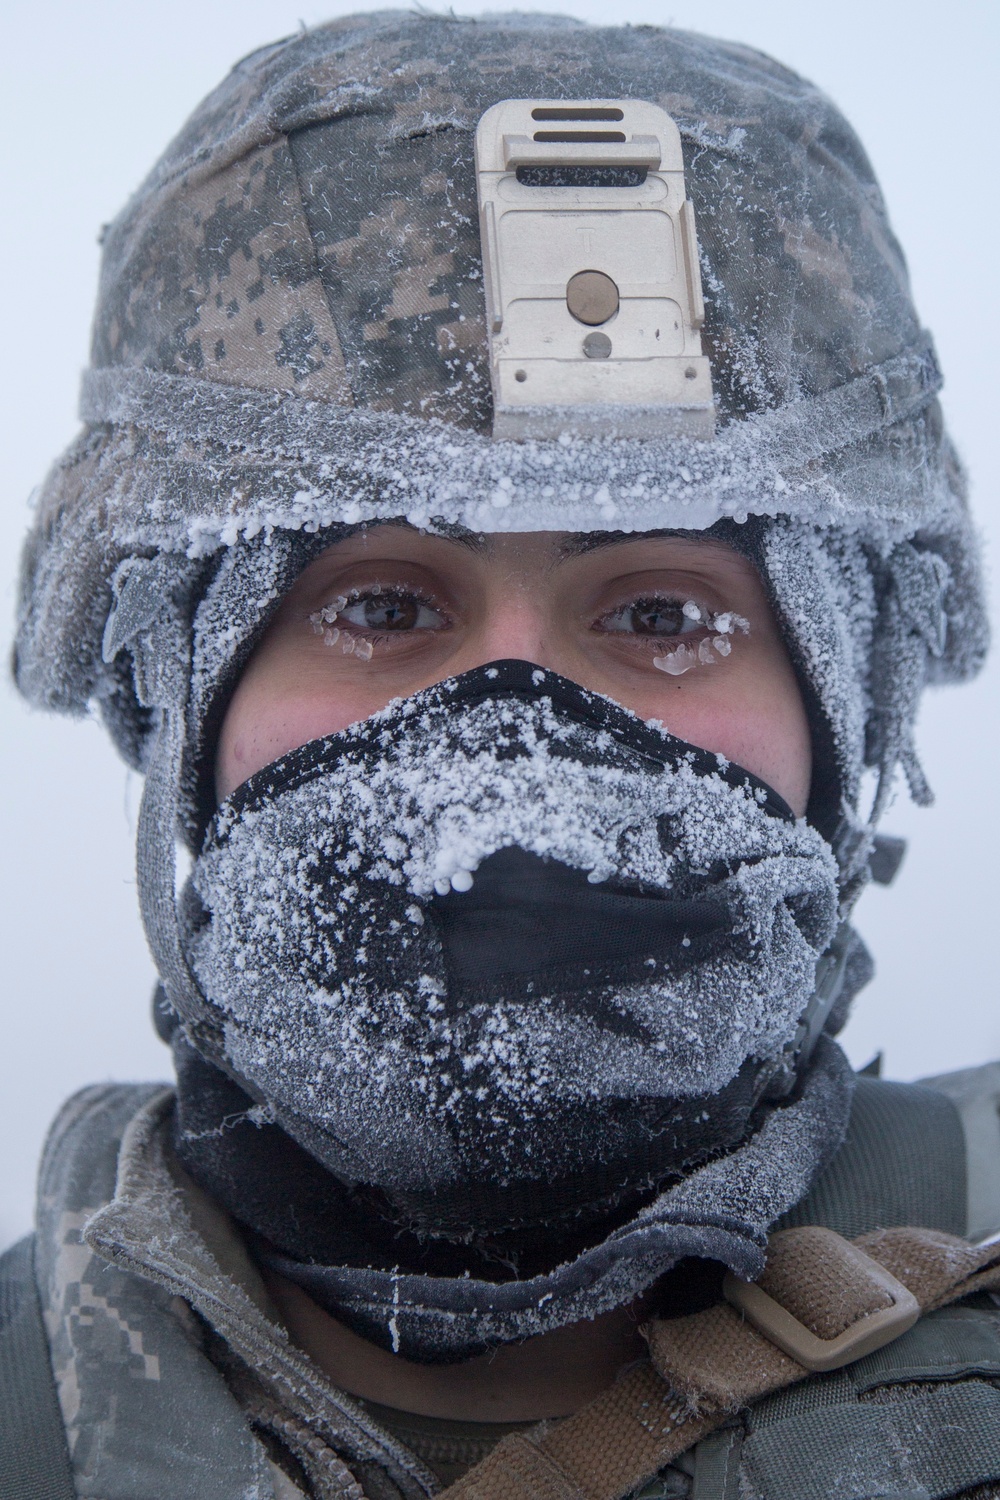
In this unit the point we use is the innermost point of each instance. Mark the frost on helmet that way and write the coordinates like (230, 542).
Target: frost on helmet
(291, 337)
(290, 342)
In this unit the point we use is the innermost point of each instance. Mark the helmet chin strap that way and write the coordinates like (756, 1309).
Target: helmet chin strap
(779, 1076)
(148, 622)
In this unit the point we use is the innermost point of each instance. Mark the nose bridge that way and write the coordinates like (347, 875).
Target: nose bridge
(518, 620)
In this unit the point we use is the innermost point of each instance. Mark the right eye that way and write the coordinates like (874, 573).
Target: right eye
(387, 611)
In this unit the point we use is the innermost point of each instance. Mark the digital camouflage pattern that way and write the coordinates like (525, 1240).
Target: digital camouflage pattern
(314, 227)
(174, 1373)
(177, 1381)
(290, 341)
(290, 336)
(131, 1383)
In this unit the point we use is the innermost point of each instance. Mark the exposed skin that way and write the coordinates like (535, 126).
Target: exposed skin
(538, 597)
(597, 610)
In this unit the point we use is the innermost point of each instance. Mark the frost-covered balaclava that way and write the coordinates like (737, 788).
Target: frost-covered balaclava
(507, 1067)
(507, 960)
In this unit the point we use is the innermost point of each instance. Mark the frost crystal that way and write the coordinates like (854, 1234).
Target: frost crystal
(323, 947)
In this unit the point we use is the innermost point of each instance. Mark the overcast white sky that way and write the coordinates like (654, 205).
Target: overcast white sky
(92, 93)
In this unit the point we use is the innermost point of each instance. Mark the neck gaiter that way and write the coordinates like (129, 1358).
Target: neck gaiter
(512, 968)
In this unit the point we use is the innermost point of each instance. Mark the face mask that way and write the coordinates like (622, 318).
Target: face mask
(508, 958)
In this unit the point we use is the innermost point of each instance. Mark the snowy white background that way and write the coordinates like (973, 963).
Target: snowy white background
(91, 94)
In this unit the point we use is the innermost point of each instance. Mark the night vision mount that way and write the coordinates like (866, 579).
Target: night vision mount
(592, 282)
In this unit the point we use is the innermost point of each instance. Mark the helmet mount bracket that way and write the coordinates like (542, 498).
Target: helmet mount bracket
(592, 280)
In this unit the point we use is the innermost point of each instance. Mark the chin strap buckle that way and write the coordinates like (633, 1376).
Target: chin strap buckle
(823, 1301)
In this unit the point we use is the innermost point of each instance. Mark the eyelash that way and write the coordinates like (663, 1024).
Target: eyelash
(721, 626)
(355, 640)
(695, 616)
(675, 663)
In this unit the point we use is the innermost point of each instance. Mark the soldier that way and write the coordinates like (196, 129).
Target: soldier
(512, 515)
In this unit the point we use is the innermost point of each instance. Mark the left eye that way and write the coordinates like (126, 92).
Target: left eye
(651, 617)
(386, 611)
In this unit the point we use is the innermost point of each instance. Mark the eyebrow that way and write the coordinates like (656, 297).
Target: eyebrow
(575, 545)
(589, 541)
(453, 531)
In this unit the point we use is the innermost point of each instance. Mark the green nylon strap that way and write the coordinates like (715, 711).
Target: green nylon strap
(717, 1466)
(34, 1459)
(903, 1162)
(954, 1343)
(932, 1445)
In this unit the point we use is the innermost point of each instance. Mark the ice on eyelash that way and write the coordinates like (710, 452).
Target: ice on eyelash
(355, 646)
(322, 624)
(727, 622)
(327, 615)
(675, 663)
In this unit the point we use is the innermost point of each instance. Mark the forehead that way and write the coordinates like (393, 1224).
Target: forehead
(559, 544)
(541, 548)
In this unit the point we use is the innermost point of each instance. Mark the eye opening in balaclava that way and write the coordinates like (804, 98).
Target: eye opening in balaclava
(302, 548)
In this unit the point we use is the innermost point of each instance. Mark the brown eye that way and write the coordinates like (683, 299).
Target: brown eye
(397, 612)
(650, 617)
(385, 611)
(657, 617)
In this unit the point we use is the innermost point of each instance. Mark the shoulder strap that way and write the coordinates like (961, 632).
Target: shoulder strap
(975, 1093)
(34, 1459)
(706, 1366)
(903, 1162)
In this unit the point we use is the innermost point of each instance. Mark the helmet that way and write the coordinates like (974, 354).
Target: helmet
(291, 340)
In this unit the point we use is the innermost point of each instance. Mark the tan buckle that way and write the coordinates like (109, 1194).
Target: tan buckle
(869, 1332)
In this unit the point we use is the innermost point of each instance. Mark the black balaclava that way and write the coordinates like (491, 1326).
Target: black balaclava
(504, 962)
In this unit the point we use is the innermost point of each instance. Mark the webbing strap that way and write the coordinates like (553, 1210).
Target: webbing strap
(935, 1443)
(705, 1367)
(156, 864)
(601, 1453)
(34, 1459)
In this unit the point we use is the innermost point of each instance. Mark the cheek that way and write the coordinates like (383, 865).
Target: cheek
(266, 719)
(759, 724)
(775, 745)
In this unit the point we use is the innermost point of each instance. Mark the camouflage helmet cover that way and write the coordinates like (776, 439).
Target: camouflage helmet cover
(290, 336)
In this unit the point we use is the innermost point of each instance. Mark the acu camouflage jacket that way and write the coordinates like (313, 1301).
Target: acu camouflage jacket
(178, 1381)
